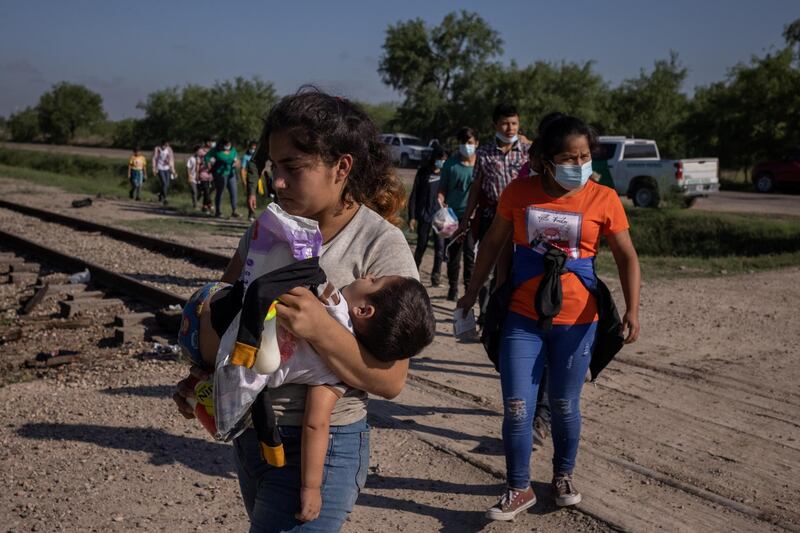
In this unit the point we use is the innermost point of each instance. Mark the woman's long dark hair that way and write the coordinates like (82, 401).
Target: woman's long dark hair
(329, 127)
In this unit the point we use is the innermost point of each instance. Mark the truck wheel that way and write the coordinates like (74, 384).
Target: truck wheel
(403, 160)
(765, 182)
(646, 196)
(689, 201)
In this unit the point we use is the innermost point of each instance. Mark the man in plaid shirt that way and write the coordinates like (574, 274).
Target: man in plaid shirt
(497, 164)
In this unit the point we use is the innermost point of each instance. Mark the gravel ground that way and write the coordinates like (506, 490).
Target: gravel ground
(694, 428)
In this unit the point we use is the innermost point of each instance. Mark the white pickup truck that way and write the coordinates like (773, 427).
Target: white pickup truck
(635, 169)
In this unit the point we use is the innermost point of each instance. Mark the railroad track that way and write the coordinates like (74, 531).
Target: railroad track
(145, 241)
(654, 479)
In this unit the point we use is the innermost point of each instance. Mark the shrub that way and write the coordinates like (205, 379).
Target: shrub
(680, 232)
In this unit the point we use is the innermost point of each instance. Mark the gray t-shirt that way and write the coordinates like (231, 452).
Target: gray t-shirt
(367, 245)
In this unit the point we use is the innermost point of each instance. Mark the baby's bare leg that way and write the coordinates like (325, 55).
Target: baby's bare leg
(320, 401)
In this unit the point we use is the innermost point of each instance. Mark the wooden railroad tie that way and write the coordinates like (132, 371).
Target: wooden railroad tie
(132, 319)
(123, 335)
(71, 308)
(25, 267)
(36, 299)
(23, 278)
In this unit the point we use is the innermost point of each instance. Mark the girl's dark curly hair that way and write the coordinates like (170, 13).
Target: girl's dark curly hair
(329, 127)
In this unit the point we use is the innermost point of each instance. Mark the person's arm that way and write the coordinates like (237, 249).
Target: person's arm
(155, 159)
(172, 162)
(474, 194)
(130, 167)
(630, 276)
(498, 235)
(412, 201)
(300, 312)
(444, 180)
(320, 401)
(234, 269)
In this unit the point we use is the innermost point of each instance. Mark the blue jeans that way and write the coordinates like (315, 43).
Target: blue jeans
(272, 495)
(220, 183)
(523, 351)
(164, 175)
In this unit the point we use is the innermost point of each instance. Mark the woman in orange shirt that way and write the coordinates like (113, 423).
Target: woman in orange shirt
(555, 215)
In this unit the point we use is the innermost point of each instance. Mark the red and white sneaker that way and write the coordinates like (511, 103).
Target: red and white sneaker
(564, 491)
(511, 503)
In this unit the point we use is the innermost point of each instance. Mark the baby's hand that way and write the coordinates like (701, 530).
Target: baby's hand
(310, 504)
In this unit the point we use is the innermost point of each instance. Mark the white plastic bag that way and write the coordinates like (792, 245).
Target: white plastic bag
(445, 222)
(277, 239)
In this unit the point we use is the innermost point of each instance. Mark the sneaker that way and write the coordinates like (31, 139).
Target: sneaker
(235, 215)
(435, 282)
(564, 491)
(512, 503)
(452, 294)
(540, 431)
(218, 215)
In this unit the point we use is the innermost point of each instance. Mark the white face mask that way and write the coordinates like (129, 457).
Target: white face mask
(573, 177)
(506, 140)
(466, 150)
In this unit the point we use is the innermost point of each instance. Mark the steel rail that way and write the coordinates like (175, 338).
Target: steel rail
(152, 243)
(102, 276)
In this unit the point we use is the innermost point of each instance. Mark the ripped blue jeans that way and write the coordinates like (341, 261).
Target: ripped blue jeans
(523, 351)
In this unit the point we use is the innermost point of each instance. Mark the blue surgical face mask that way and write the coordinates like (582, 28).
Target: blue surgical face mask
(507, 140)
(466, 150)
(439, 163)
(573, 177)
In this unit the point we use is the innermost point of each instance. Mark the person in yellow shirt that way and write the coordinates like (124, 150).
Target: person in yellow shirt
(137, 173)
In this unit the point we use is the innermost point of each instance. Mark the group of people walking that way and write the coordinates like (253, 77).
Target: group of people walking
(522, 204)
(535, 218)
(211, 167)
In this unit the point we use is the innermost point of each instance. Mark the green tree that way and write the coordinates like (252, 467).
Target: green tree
(232, 109)
(161, 116)
(125, 133)
(653, 106)
(23, 126)
(429, 66)
(381, 114)
(791, 33)
(67, 107)
(239, 107)
(752, 115)
(536, 90)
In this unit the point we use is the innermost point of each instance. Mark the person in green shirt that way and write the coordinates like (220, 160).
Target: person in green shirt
(223, 162)
(453, 192)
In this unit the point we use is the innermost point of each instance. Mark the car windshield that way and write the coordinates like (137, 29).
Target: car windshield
(640, 151)
(412, 141)
(605, 152)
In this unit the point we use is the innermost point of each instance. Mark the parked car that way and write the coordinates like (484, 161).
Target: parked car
(770, 175)
(635, 169)
(406, 150)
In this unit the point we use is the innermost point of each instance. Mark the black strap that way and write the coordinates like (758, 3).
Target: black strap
(549, 294)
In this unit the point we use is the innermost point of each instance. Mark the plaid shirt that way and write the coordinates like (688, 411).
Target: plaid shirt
(497, 169)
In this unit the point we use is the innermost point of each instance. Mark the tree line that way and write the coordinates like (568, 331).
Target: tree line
(231, 109)
(450, 76)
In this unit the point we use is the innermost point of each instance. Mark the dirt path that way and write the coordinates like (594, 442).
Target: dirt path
(694, 428)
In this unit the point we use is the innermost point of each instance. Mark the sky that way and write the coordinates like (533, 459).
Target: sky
(125, 50)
